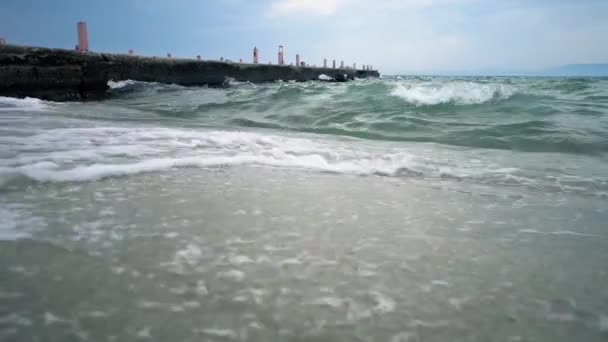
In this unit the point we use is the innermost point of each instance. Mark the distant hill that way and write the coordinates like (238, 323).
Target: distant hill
(577, 70)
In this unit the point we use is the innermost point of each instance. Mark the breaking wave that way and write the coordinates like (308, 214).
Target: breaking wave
(498, 113)
(460, 93)
(10, 104)
(463, 129)
(121, 84)
(86, 154)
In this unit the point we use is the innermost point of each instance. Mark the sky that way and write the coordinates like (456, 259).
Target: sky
(395, 36)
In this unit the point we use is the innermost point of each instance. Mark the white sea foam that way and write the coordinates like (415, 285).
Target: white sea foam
(120, 84)
(462, 93)
(26, 104)
(186, 258)
(384, 303)
(50, 318)
(201, 288)
(442, 283)
(234, 275)
(330, 301)
(240, 259)
(144, 332)
(221, 333)
(404, 336)
(84, 154)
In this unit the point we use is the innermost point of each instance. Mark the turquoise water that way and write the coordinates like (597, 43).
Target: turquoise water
(395, 209)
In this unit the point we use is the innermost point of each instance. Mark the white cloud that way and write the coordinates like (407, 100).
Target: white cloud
(319, 7)
(442, 35)
(328, 7)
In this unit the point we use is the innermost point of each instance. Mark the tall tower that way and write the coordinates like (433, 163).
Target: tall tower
(83, 36)
(281, 55)
(325, 63)
(298, 60)
(256, 55)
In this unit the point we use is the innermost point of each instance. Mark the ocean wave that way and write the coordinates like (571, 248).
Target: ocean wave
(88, 154)
(187, 149)
(25, 104)
(313, 162)
(456, 92)
(120, 84)
(473, 112)
(131, 87)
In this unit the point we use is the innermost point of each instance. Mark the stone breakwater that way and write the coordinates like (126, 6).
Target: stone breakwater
(60, 75)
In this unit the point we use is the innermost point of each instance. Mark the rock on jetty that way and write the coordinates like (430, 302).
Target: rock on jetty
(60, 75)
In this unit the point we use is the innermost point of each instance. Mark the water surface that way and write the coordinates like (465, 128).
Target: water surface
(399, 209)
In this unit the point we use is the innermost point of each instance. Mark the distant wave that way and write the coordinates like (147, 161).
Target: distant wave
(120, 84)
(135, 88)
(461, 93)
(25, 104)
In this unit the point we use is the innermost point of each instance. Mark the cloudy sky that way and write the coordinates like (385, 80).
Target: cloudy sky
(397, 36)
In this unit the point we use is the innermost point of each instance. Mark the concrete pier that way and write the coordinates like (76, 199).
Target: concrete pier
(57, 74)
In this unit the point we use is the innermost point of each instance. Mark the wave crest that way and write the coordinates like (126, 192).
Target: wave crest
(119, 151)
(26, 104)
(120, 84)
(461, 93)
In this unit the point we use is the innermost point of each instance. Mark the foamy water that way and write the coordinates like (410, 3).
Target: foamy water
(92, 153)
(459, 93)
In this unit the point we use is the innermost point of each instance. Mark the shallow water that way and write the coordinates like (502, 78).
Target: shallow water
(286, 212)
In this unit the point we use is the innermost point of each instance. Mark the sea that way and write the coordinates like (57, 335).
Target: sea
(392, 209)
